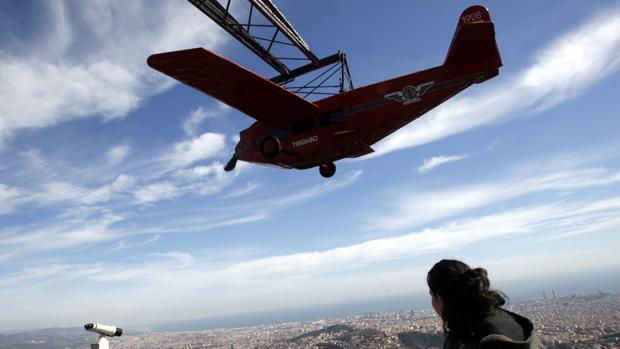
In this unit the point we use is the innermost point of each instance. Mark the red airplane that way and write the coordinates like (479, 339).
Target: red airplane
(292, 132)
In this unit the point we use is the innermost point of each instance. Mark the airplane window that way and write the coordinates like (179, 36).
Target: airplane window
(303, 125)
(278, 132)
(331, 118)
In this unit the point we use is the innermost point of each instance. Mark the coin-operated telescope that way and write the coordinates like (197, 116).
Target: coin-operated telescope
(104, 331)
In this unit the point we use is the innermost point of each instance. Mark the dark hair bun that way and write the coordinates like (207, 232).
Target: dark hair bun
(475, 280)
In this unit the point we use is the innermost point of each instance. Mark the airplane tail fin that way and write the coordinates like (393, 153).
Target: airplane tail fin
(474, 42)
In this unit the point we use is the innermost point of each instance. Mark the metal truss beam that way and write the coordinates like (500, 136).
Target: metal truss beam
(263, 45)
(224, 19)
(271, 12)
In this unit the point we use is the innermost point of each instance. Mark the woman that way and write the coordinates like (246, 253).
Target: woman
(471, 312)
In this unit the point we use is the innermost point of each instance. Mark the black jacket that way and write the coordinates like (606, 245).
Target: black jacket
(501, 330)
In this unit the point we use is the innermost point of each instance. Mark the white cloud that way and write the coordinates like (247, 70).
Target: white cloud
(562, 70)
(122, 183)
(148, 241)
(185, 153)
(249, 187)
(57, 191)
(64, 234)
(124, 245)
(193, 120)
(156, 192)
(435, 161)
(246, 211)
(415, 208)
(118, 153)
(447, 237)
(204, 180)
(542, 220)
(90, 60)
(240, 220)
(181, 258)
(199, 180)
(159, 185)
(8, 199)
(196, 117)
(346, 180)
(57, 272)
(54, 192)
(198, 172)
(35, 158)
(316, 277)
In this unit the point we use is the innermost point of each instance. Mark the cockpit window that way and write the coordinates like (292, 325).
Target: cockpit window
(303, 125)
(331, 118)
(278, 132)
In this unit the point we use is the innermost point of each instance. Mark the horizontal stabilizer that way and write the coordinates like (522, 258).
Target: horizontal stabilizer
(232, 84)
(474, 39)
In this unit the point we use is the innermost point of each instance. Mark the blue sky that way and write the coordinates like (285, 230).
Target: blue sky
(114, 206)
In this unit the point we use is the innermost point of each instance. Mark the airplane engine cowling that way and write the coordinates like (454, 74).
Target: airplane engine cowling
(270, 147)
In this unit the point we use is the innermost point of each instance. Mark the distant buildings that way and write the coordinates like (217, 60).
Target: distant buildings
(578, 322)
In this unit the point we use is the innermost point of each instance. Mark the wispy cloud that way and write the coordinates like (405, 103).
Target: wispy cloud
(118, 153)
(9, 199)
(53, 273)
(544, 220)
(450, 236)
(85, 223)
(156, 192)
(562, 70)
(68, 76)
(59, 192)
(245, 190)
(121, 184)
(68, 233)
(252, 210)
(183, 272)
(347, 179)
(412, 208)
(193, 120)
(182, 258)
(435, 161)
(35, 158)
(283, 280)
(124, 245)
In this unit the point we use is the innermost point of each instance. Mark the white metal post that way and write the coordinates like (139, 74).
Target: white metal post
(102, 343)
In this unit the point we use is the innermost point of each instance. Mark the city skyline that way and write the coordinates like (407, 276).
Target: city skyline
(566, 322)
(114, 203)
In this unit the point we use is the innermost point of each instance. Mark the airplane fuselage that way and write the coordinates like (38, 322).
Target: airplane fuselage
(354, 120)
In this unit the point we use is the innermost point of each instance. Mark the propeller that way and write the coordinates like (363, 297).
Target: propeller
(231, 164)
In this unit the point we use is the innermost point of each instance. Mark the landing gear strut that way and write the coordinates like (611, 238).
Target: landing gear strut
(327, 170)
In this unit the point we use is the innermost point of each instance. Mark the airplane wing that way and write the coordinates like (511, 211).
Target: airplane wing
(232, 84)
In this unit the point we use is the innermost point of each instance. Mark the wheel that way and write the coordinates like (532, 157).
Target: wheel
(327, 170)
(270, 147)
